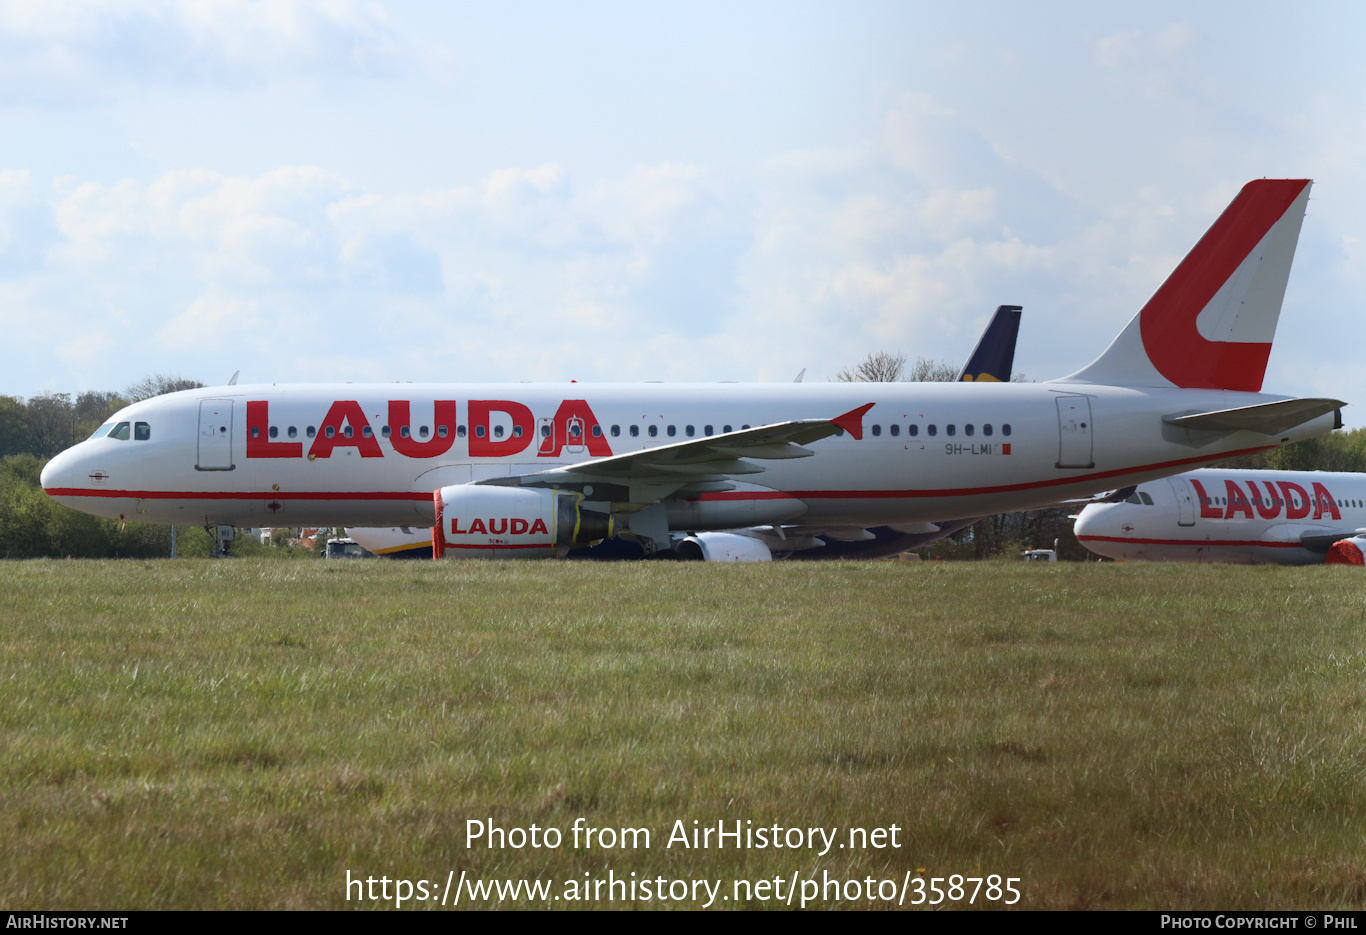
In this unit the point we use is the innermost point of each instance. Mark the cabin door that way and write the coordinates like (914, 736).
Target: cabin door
(1074, 432)
(215, 435)
(1185, 501)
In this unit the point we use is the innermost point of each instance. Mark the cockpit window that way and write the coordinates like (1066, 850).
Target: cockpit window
(142, 431)
(102, 431)
(1147, 498)
(1133, 498)
(120, 432)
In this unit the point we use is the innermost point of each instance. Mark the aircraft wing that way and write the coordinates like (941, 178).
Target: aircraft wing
(699, 464)
(1320, 542)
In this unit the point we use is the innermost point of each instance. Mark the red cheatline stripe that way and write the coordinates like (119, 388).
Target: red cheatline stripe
(529, 545)
(1068, 481)
(240, 495)
(1193, 542)
(1008, 488)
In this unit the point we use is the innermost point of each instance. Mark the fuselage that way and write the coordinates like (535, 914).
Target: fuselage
(372, 454)
(1224, 515)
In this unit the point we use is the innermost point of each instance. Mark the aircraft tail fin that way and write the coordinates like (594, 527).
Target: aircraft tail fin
(994, 354)
(1210, 325)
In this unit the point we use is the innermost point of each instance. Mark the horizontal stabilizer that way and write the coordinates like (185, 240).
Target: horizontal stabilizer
(1267, 418)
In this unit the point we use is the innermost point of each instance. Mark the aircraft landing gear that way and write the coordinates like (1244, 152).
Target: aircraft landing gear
(223, 536)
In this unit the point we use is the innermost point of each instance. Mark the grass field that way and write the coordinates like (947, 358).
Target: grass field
(240, 734)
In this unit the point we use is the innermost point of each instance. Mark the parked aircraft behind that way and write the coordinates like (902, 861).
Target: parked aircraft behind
(1224, 515)
(991, 361)
(528, 470)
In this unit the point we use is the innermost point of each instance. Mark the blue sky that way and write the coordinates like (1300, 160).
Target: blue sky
(333, 190)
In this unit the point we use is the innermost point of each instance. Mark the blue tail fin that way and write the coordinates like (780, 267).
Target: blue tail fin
(994, 354)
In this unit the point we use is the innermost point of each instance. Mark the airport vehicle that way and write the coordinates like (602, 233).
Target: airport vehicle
(991, 360)
(345, 548)
(1225, 515)
(530, 470)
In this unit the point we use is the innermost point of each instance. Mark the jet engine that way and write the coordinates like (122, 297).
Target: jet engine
(721, 547)
(477, 521)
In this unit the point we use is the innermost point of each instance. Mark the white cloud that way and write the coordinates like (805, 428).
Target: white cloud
(86, 49)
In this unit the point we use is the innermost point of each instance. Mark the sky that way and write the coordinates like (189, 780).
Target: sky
(326, 190)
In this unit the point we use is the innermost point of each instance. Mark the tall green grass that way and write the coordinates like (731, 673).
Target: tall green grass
(239, 734)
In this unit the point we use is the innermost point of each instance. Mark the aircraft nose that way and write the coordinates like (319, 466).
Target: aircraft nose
(1086, 521)
(62, 473)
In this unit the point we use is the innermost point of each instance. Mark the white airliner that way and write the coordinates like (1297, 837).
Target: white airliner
(537, 469)
(1223, 515)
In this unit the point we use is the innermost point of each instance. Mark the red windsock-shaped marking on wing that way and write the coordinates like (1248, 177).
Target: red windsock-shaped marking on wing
(852, 421)
(1170, 337)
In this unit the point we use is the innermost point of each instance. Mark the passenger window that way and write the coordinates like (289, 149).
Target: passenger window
(951, 429)
(574, 430)
(1005, 430)
(331, 431)
(441, 431)
(497, 431)
(931, 430)
(312, 431)
(986, 430)
(967, 429)
(913, 430)
(478, 431)
(459, 431)
(688, 431)
(672, 431)
(256, 431)
(726, 429)
(274, 432)
(597, 431)
(743, 427)
(422, 431)
(894, 429)
(706, 430)
(120, 432)
(616, 431)
(877, 430)
(348, 431)
(367, 432)
(635, 430)
(403, 432)
(384, 431)
(142, 431)
(516, 431)
(294, 433)
(545, 431)
(653, 430)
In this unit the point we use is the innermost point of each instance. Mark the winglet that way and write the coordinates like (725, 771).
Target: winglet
(852, 421)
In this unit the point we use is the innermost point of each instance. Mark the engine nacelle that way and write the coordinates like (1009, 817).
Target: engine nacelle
(477, 521)
(721, 547)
